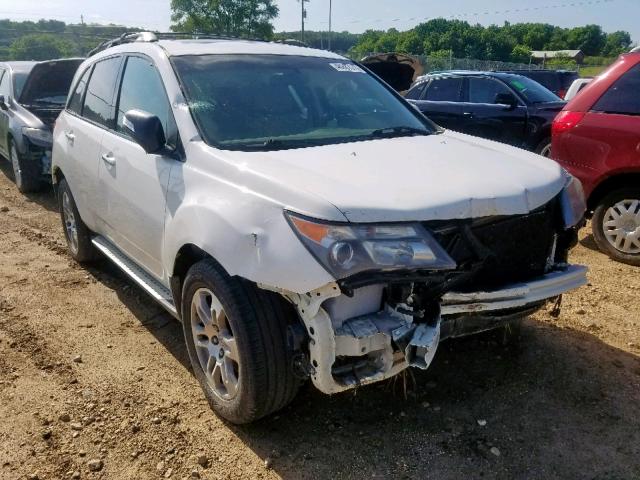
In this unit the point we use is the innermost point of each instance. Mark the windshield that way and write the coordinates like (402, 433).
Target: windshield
(531, 90)
(18, 82)
(274, 102)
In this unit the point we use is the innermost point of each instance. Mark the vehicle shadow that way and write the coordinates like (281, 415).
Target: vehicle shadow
(44, 198)
(166, 329)
(560, 403)
(590, 243)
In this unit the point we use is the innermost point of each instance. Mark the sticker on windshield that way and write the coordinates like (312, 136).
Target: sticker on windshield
(347, 67)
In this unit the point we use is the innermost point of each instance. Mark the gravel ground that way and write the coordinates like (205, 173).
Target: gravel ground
(95, 383)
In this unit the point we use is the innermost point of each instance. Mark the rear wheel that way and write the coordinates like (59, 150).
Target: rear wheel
(236, 335)
(76, 233)
(26, 172)
(616, 225)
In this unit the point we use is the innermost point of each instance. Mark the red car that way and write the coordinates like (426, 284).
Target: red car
(597, 138)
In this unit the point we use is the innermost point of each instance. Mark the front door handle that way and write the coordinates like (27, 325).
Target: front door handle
(468, 114)
(109, 159)
(70, 136)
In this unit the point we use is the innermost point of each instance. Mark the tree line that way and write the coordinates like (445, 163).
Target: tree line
(509, 42)
(48, 39)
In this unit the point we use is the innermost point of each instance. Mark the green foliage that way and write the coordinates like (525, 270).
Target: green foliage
(561, 61)
(520, 54)
(616, 43)
(64, 39)
(240, 18)
(41, 46)
(509, 42)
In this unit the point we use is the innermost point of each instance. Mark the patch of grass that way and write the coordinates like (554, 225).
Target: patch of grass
(592, 71)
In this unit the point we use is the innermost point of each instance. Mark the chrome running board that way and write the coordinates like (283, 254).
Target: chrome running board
(159, 292)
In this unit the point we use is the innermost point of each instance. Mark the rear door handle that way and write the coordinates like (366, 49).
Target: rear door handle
(468, 114)
(108, 158)
(70, 136)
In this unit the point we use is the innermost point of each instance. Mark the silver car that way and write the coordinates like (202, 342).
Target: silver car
(32, 95)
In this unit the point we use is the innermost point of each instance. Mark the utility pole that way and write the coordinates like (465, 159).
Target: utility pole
(81, 19)
(329, 40)
(302, 17)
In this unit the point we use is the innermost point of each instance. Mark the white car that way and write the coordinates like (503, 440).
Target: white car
(576, 87)
(298, 216)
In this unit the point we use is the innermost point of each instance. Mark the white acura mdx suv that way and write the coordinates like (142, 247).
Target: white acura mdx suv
(298, 217)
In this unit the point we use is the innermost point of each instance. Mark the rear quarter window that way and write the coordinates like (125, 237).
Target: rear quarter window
(623, 97)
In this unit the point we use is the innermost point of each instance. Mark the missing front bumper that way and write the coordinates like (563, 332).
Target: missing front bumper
(373, 347)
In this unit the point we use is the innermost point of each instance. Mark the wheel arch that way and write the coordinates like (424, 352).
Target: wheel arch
(188, 255)
(608, 185)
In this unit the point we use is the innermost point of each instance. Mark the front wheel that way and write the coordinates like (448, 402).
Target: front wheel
(544, 148)
(236, 335)
(26, 172)
(616, 225)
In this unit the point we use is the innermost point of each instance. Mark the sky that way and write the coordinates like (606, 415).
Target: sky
(352, 15)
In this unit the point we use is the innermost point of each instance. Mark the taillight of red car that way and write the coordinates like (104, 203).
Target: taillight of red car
(566, 121)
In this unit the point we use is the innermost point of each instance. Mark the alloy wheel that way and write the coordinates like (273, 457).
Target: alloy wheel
(215, 344)
(621, 226)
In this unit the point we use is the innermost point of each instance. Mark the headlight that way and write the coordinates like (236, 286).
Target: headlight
(347, 249)
(573, 202)
(40, 137)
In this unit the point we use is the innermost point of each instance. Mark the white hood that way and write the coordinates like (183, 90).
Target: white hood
(436, 177)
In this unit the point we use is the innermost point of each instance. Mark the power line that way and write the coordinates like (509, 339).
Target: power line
(583, 3)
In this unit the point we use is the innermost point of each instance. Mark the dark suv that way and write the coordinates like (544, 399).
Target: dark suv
(32, 95)
(558, 81)
(499, 106)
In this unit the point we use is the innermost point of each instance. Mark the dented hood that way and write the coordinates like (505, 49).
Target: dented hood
(437, 177)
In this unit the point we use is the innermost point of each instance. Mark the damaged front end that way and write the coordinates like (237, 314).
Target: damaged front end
(371, 325)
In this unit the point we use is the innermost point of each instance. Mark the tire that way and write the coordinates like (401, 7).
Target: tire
(259, 369)
(625, 247)
(544, 148)
(76, 233)
(27, 173)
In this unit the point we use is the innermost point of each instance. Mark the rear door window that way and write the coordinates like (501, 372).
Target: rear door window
(75, 102)
(142, 89)
(98, 103)
(445, 90)
(623, 97)
(485, 90)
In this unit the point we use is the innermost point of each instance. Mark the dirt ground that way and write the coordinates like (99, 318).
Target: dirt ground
(95, 383)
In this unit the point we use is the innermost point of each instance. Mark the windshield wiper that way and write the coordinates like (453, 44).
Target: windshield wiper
(276, 144)
(402, 131)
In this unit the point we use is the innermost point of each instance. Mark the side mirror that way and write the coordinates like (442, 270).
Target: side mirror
(3, 103)
(145, 129)
(507, 99)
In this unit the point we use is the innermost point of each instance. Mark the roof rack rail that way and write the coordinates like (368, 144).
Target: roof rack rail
(142, 36)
